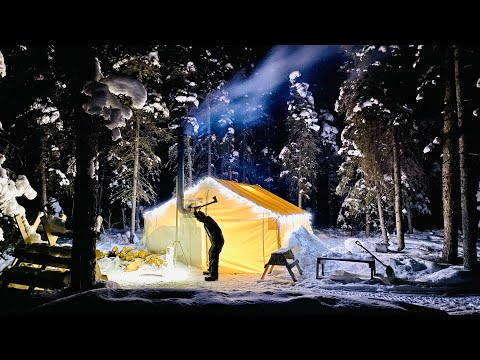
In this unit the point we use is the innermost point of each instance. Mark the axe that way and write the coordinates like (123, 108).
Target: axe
(211, 202)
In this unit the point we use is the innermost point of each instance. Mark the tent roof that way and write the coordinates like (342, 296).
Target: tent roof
(262, 197)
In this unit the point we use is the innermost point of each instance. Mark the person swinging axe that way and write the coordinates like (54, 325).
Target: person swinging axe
(216, 243)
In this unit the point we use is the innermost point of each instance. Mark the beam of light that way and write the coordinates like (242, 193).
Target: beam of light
(249, 97)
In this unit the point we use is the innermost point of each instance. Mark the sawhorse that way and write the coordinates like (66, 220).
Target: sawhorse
(280, 257)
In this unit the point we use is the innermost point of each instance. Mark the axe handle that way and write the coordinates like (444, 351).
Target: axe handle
(211, 202)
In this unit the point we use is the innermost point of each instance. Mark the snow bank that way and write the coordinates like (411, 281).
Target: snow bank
(307, 247)
(448, 276)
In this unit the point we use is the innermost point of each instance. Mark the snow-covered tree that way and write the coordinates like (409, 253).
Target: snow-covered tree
(235, 131)
(182, 104)
(260, 142)
(226, 152)
(11, 189)
(299, 156)
(467, 202)
(135, 163)
(443, 71)
(329, 161)
(53, 148)
(214, 67)
(101, 101)
(376, 103)
(36, 121)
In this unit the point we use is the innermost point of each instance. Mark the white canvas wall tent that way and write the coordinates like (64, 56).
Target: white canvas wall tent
(254, 222)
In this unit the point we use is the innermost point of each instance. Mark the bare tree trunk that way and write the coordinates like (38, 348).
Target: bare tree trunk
(85, 187)
(124, 219)
(242, 158)
(467, 195)
(380, 214)
(367, 223)
(137, 218)
(189, 163)
(299, 184)
(408, 205)
(329, 200)
(398, 190)
(136, 150)
(230, 173)
(209, 165)
(43, 174)
(450, 242)
(109, 222)
(101, 183)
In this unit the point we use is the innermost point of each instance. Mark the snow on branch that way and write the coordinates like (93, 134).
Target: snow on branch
(50, 113)
(3, 67)
(103, 101)
(293, 76)
(120, 84)
(10, 190)
(431, 146)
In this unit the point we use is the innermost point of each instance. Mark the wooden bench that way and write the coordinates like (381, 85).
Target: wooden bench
(322, 259)
(280, 257)
(38, 266)
(41, 265)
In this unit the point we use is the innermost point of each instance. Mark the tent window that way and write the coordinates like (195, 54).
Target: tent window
(272, 224)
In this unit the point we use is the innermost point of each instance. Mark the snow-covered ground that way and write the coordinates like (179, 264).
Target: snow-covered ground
(421, 278)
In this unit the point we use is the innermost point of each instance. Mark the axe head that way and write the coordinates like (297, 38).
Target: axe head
(215, 199)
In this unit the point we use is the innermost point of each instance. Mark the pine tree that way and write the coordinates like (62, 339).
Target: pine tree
(137, 168)
(53, 148)
(329, 161)
(376, 100)
(466, 190)
(450, 163)
(10, 189)
(182, 102)
(299, 156)
(455, 100)
(37, 121)
(215, 116)
(101, 100)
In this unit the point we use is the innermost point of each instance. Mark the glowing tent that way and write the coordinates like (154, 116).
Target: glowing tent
(254, 223)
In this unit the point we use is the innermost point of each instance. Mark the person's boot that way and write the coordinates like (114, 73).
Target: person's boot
(213, 275)
(209, 270)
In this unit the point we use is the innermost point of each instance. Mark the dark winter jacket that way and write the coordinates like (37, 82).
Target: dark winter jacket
(211, 228)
